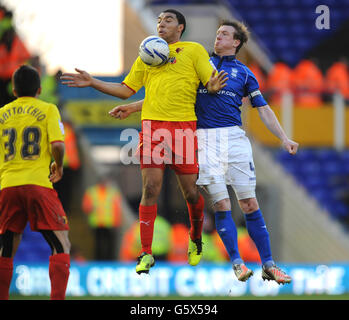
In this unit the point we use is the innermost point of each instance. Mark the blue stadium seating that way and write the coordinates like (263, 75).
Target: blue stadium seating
(294, 21)
(324, 173)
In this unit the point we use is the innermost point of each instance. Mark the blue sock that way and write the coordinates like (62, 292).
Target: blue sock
(226, 229)
(258, 232)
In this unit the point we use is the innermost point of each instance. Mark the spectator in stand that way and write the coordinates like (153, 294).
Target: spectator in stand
(102, 203)
(247, 247)
(278, 82)
(308, 84)
(179, 236)
(337, 79)
(71, 164)
(13, 54)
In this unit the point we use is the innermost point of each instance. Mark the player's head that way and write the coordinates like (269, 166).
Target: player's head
(26, 82)
(231, 35)
(171, 25)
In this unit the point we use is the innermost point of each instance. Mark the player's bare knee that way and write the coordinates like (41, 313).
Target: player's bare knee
(57, 240)
(248, 205)
(151, 191)
(222, 205)
(66, 244)
(191, 195)
(67, 247)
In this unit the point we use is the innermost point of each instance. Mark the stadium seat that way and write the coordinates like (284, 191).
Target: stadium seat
(305, 155)
(344, 156)
(345, 168)
(324, 173)
(332, 168)
(320, 194)
(270, 3)
(280, 31)
(298, 29)
(254, 16)
(314, 182)
(339, 210)
(326, 155)
(295, 15)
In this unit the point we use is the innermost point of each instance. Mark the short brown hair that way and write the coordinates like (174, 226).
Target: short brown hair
(241, 32)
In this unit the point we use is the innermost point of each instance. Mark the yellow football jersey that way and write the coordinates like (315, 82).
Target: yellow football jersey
(170, 90)
(28, 126)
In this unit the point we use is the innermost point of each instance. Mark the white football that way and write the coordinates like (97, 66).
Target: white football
(154, 51)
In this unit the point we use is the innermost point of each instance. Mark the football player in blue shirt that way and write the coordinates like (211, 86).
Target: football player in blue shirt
(225, 154)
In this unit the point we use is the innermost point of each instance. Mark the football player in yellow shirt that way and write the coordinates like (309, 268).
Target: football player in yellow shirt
(31, 133)
(170, 93)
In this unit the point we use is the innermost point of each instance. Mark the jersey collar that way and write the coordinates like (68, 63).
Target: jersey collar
(228, 58)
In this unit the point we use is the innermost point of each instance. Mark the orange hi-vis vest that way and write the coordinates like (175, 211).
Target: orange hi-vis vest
(247, 247)
(279, 82)
(103, 205)
(179, 236)
(308, 84)
(130, 244)
(11, 60)
(337, 79)
(256, 70)
(71, 156)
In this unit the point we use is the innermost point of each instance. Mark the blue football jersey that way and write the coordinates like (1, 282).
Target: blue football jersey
(223, 108)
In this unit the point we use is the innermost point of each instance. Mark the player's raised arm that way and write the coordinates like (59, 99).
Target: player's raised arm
(268, 117)
(83, 79)
(123, 111)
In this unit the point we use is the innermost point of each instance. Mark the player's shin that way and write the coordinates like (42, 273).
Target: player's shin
(196, 216)
(59, 273)
(6, 270)
(227, 231)
(258, 232)
(147, 215)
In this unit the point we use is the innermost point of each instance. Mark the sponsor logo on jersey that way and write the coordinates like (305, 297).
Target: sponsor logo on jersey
(234, 72)
(224, 92)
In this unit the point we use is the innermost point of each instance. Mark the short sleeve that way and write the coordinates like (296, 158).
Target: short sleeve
(253, 92)
(55, 127)
(134, 80)
(202, 64)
